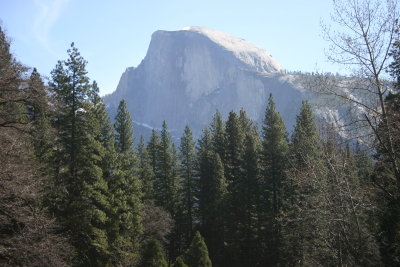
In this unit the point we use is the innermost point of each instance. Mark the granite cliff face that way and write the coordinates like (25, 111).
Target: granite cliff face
(190, 73)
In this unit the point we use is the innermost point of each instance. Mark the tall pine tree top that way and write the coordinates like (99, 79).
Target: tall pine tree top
(70, 80)
(197, 255)
(274, 130)
(153, 147)
(305, 139)
(123, 128)
(217, 129)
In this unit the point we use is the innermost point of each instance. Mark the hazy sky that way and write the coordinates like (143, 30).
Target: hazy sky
(113, 35)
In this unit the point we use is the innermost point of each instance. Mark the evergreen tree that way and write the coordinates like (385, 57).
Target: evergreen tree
(197, 254)
(165, 184)
(123, 128)
(79, 179)
(189, 186)
(234, 149)
(153, 149)
(245, 122)
(249, 203)
(233, 173)
(274, 156)
(217, 131)
(305, 161)
(180, 262)
(145, 171)
(39, 114)
(106, 134)
(125, 189)
(305, 139)
(153, 255)
(212, 194)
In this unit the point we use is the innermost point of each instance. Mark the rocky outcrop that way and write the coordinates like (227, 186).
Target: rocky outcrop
(190, 73)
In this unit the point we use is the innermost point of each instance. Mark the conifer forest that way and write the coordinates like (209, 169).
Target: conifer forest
(80, 188)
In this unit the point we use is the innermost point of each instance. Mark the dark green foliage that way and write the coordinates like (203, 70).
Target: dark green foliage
(166, 182)
(189, 185)
(123, 128)
(83, 202)
(212, 193)
(125, 189)
(197, 254)
(38, 110)
(166, 186)
(233, 171)
(106, 134)
(145, 171)
(180, 263)
(153, 255)
(274, 193)
(217, 131)
(249, 201)
(305, 139)
(233, 149)
(305, 161)
(153, 147)
(275, 148)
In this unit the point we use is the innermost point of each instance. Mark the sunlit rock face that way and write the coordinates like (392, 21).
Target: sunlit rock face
(189, 74)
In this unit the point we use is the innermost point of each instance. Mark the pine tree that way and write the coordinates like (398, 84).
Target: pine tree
(38, 103)
(145, 171)
(165, 184)
(217, 131)
(123, 128)
(305, 139)
(274, 156)
(153, 149)
(234, 173)
(234, 149)
(106, 134)
(305, 160)
(189, 187)
(153, 255)
(197, 254)
(79, 179)
(38, 110)
(249, 203)
(212, 194)
(125, 189)
(180, 262)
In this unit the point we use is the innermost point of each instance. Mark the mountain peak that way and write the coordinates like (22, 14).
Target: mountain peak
(188, 74)
(243, 50)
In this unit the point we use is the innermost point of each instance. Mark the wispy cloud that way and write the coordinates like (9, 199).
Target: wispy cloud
(49, 11)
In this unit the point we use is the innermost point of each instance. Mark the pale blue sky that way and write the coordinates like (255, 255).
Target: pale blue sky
(113, 35)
